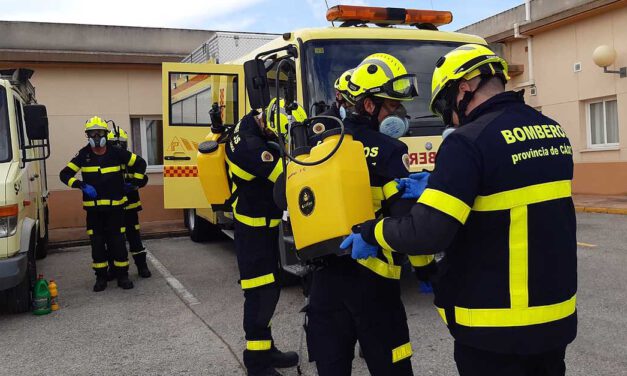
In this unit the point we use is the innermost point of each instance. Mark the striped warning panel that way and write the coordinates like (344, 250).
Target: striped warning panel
(180, 171)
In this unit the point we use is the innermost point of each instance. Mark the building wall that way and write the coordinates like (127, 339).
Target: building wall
(562, 94)
(72, 94)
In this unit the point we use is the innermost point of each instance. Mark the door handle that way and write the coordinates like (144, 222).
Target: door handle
(175, 158)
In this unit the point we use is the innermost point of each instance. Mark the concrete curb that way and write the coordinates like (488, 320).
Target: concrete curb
(55, 246)
(601, 210)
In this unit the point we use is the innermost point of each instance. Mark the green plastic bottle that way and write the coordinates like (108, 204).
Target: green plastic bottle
(41, 297)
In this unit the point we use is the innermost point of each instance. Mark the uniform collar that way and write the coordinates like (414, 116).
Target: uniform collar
(496, 103)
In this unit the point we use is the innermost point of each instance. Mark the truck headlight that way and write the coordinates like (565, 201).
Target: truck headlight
(8, 220)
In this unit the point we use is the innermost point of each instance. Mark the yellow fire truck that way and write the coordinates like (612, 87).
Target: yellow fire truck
(316, 57)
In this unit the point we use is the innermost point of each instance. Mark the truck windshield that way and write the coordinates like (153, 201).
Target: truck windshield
(5, 141)
(326, 60)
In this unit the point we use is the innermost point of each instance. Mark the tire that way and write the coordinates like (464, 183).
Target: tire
(19, 298)
(42, 243)
(185, 218)
(201, 230)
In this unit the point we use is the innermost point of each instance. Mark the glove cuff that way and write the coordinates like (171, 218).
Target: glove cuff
(366, 230)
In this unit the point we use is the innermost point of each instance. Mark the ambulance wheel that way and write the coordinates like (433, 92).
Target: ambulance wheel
(200, 230)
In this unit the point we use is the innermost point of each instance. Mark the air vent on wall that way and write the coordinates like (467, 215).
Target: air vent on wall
(533, 91)
(577, 67)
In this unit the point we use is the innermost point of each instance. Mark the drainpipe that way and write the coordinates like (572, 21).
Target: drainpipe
(531, 81)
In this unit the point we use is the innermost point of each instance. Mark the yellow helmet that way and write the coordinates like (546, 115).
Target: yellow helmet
(464, 62)
(96, 123)
(383, 76)
(341, 84)
(120, 136)
(299, 115)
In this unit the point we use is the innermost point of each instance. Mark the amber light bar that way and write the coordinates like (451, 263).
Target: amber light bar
(388, 16)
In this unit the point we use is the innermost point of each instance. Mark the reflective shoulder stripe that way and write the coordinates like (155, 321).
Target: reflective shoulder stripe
(132, 159)
(100, 265)
(511, 317)
(70, 182)
(381, 268)
(420, 261)
(532, 194)
(239, 172)
(378, 234)
(73, 167)
(402, 352)
(445, 203)
(90, 169)
(258, 345)
(258, 281)
(107, 170)
(278, 169)
(120, 264)
(389, 189)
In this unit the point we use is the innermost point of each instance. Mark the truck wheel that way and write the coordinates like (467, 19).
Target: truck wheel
(19, 299)
(186, 218)
(199, 229)
(42, 243)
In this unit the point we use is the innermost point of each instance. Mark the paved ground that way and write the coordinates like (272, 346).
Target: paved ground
(152, 330)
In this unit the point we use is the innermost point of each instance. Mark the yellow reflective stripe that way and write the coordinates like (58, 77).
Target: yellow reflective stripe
(442, 314)
(123, 229)
(402, 352)
(278, 169)
(138, 253)
(445, 203)
(258, 345)
(137, 227)
(107, 170)
(105, 202)
(377, 193)
(389, 189)
(388, 256)
(133, 205)
(70, 182)
(90, 232)
(239, 172)
(532, 194)
(381, 268)
(73, 166)
(518, 258)
(258, 281)
(100, 265)
(138, 176)
(89, 203)
(378, 234)
(420, 261)
(132, 160)
(120, 264)
(509, 317)
(90, 169)
(254, 221)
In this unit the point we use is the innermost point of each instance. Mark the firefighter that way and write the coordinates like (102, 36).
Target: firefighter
(104, 198)
(118, 138)
(342, 104)
(360, 301)
(499, 204)
(254, 168)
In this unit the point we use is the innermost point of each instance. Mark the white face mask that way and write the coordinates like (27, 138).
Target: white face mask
(342, 112)
(447, 131)
(394, 126)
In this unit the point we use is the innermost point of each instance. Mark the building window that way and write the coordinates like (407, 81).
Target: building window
(147, 133)
(603, 123)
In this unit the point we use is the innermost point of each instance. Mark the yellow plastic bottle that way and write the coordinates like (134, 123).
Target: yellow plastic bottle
(54, 295)
(325, 201)
(212, 170)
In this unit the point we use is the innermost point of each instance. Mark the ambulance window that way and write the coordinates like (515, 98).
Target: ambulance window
(5, 139)
(286, 70)
(192, 94)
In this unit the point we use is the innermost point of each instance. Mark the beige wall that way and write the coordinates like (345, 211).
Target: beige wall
(562, 94)
(72, 94)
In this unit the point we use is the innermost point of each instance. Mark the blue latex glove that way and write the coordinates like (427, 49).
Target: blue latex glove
(128, 187)
(361, 248)
(89, 190)
(426, 288)
(414, 185)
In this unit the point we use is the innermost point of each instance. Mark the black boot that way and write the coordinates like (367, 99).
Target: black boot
(101, 284)
(279, 359)
(110, 274)
(142, 266)
(265, 372)
(125, 283)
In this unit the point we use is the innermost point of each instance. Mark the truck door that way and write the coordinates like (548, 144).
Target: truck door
(188, 92)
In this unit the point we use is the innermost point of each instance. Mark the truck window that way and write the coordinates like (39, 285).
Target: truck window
(326, 60)
(5, 131)
(191, 97)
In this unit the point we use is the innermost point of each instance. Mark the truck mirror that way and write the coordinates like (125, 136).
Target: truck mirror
(36, 119)
(257, 83)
